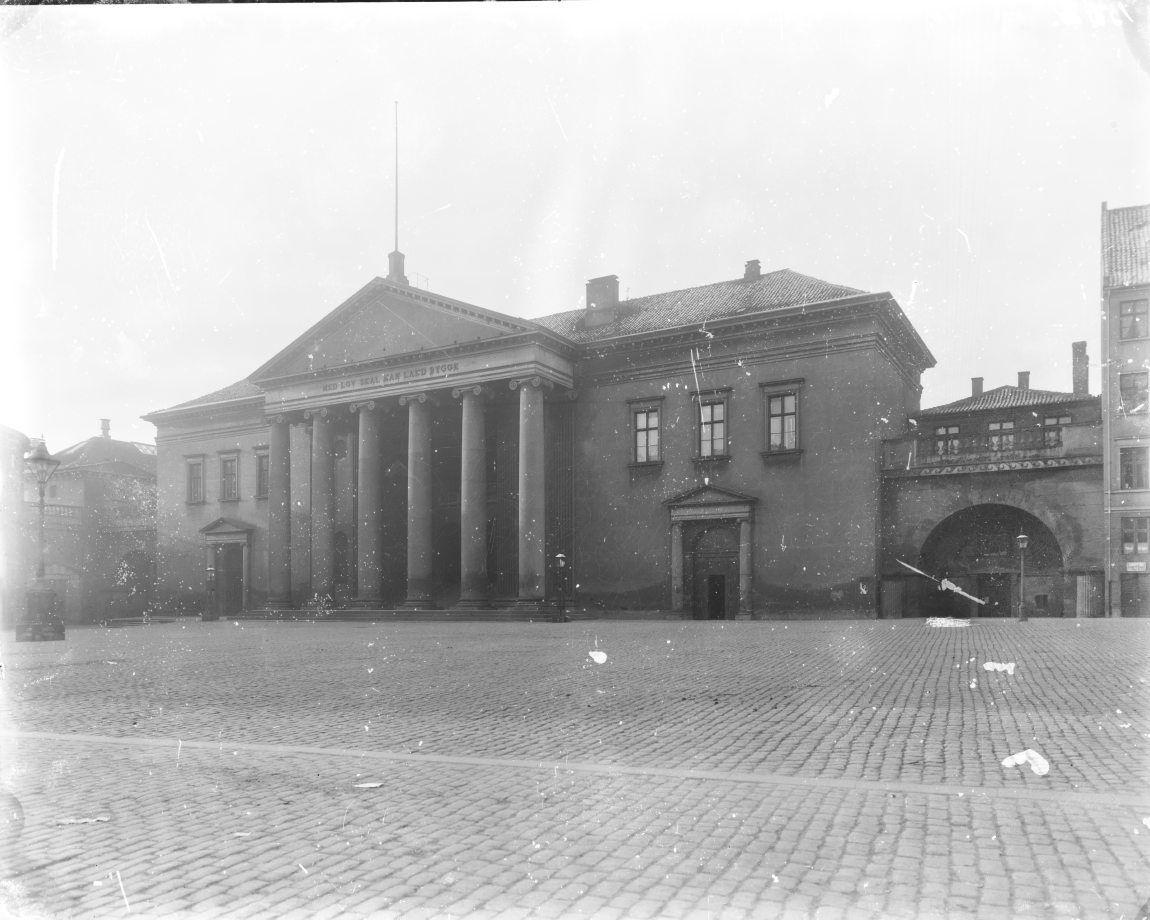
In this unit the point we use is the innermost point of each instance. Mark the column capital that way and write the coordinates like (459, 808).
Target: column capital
(535, 382)
(477, 390)
(356, 407)
(412, 397)
(313, 413)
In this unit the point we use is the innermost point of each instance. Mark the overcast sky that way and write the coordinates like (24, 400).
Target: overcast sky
(187, 189)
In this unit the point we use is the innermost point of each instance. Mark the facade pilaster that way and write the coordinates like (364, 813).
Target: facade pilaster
(279, 513)
(322, 504)
(369, 498)
(419, 550)
(745, 569)
(677, 567)
(532, 497)
(473, 499)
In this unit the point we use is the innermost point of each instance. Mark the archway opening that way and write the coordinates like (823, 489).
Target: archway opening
(977, 549)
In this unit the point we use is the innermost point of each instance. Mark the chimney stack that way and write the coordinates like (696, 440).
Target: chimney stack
(752, 271)
(395, 267)
(1081, 369)
(106, 427)
(1024, 380)
(975, 386)
(602, 301)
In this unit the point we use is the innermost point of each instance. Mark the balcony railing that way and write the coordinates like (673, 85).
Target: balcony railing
(1069, 443)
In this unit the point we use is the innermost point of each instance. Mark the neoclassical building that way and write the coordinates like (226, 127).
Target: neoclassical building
(710, 452)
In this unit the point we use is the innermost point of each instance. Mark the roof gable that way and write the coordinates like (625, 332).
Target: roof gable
(383, 320)
(708, 495)
(226, 527)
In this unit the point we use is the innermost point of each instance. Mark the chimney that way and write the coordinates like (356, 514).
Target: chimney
(602, 301)
(752, 271)
(106, 426)
(395, 267)
(975, 386)
(1081, 369)
(1024, 380)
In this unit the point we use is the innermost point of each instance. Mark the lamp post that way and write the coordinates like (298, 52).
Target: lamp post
(560, 579)
(1023, 541)
(41, 620)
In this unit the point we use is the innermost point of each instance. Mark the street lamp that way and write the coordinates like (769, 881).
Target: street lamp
(560, 583)
(1023, 541)
(43, 465)
(41, 619)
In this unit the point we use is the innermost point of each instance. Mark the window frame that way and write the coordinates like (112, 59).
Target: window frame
(225, 457)
(636, 406)
(190, 461)
(781, 389)
(1003, 430)
(1140, 405)
(1144, 313)
(1136, 526)
(946, 440)
(717, 397)
(1053, 425)
(263, 472)
(1135, 454)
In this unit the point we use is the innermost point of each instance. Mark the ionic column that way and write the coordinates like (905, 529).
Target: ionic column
(279, 514)
(473, 500)
(369, 496)
(532, 500)
(745, 568)
(419, 581)
(677, 566)
(322, 504)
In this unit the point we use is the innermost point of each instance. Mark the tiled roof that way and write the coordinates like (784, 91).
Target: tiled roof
(773, 291)
(1126, 246)
(1004, 397)
(241, 389)
(101, 451)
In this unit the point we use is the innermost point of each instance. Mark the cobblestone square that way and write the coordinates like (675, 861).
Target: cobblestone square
(740, 769)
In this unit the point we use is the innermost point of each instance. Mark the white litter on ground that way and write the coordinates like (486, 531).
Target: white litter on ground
(1008, 667)
(367, 785)
(598, 657)
(95, 820)
(1037, 762)
(946, 621)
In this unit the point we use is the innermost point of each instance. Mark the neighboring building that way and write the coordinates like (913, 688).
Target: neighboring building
(713, 452)
(979, 471)
(100, 530)
(13, 570)
(1126, 438)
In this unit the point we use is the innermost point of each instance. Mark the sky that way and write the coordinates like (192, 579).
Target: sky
(188, 188)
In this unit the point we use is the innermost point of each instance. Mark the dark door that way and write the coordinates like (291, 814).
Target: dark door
(716, 597)
(229, 578)
(997, 590)
(1134, 599)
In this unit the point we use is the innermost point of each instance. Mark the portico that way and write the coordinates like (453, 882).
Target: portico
(436, 402)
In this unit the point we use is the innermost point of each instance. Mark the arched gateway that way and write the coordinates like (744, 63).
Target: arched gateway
(977, 549)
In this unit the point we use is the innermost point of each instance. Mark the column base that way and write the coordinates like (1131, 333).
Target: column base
(419, 603)
(472, 603)
(281, 601)
(529, 602)
(366, 603)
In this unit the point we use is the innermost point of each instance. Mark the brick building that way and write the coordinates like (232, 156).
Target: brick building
(711, 452)
(1126, 438)
(100, 531)
(975, 473)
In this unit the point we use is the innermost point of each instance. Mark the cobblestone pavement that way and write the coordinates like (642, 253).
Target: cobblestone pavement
(419, 770)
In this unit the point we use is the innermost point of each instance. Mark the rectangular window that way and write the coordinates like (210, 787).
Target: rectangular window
(1052, 429)
(946, 440)
(195, 481)
(1135, 535)
(782, 422)
(1132, 467)
(646, 427)
(712, 426)
(261, 475)
(1133, 389)
(1132, 319)
(1001, 435)
(229, 478)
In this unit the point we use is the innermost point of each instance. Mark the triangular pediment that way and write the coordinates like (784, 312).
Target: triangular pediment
(225, 527)
(708, 495)
(385, 320)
